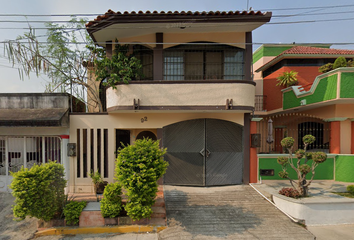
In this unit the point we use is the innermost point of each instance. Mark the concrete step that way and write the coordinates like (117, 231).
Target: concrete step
(158, 212)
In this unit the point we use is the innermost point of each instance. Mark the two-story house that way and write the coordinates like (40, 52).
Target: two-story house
(196, 96)
(318, 104)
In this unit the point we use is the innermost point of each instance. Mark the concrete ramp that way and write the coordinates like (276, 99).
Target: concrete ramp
(229, 212)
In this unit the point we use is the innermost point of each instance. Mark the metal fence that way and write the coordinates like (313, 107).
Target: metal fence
(18, 151)
(294, 125)
(261, 103)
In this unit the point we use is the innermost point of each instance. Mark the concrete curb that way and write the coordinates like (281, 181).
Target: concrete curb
(98, 230)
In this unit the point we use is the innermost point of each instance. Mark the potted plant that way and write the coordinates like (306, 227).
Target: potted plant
(287, 79)
(111, 204)
(98, 182)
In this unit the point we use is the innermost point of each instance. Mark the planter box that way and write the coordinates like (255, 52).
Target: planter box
(335, 210)
(124, 221)
(111, 221)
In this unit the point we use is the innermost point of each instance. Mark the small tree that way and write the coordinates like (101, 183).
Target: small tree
(301, 169)
(39, 191)
(287, 79)
(138, 167)
(340, 62)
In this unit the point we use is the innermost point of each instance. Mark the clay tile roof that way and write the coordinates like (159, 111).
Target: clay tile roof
(111, 13)
(306, 52)
(316, 50)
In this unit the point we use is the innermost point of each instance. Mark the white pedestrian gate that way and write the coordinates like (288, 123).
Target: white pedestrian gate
(18, 151)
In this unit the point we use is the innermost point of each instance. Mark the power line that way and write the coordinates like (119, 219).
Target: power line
(107, 14)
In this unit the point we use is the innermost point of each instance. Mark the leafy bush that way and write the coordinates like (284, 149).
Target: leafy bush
(39, 191)
(72, 212)
(289, 192)
(138, 167)
(111, 204)
(282, 160)
(287, 142)
(340, 62)
(287, 79)
(326, 68)
(350, 189)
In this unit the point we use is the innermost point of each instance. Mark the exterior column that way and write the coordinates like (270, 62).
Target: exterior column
(334, 141)
(248, 57)
(246, 148)
(253, 153)
(158, 58)
(65, 160)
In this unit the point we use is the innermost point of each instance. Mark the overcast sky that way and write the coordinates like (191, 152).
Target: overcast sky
(305, 22)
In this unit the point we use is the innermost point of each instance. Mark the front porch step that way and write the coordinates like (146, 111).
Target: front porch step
(158, 212)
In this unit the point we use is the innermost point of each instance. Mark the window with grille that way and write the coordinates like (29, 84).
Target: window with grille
(145, 55)
(204, 62)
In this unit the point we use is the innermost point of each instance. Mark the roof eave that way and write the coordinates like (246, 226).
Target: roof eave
(284, 56)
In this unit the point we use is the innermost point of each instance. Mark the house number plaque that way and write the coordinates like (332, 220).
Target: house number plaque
(144, 119)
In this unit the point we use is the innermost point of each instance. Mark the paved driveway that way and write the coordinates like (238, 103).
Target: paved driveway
(230, 212)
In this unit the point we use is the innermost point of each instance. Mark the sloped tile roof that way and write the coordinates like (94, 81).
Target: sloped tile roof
(111, 13)
(307, 52)
(316, 50)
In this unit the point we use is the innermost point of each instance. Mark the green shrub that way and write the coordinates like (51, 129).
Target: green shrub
(350, 189)
(111, 204)
(138, 167)
(72, 212)
(326, 68)
(289, 192)
(282, 160)
(304, 169)
(39, 191)
(340, 62)
(300, 153)
(308, 139)
(287, 142)
(319, 157)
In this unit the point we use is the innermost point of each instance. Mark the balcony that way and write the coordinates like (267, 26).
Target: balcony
(216, 95)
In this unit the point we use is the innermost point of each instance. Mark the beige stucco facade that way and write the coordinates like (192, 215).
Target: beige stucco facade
(179, 94)
(129, 121)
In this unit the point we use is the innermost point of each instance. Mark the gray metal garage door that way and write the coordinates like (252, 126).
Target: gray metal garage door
(203, 152)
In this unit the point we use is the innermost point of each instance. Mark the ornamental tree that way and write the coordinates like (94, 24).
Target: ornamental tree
(301, 167)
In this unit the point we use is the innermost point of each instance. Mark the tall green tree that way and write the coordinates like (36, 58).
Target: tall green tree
(66, 57)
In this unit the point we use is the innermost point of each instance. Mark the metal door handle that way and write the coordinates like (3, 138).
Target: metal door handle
(202, 152)
(208, 153)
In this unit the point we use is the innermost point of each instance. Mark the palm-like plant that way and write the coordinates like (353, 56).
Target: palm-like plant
(287, 79)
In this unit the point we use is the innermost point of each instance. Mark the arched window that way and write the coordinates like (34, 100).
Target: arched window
(146, 134)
